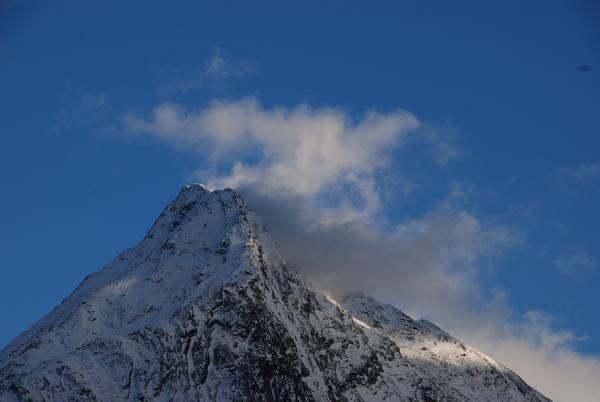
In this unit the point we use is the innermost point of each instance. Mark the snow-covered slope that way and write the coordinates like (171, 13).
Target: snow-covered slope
(203, 308)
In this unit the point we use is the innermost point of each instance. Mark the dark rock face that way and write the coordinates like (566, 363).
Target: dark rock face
(204, 309)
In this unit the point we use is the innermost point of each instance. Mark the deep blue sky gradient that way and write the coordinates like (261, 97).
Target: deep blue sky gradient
(504, 77)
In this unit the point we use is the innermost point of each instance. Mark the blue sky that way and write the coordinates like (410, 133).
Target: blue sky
(509, 90)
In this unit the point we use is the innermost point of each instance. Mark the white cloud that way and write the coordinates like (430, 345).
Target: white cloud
(320, 155)
(544, 357)
(315, 176)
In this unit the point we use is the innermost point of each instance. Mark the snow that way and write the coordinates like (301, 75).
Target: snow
(361, 323)
(204, 308)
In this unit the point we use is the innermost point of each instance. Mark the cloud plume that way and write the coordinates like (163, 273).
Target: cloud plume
(321, 156)
(316, 176)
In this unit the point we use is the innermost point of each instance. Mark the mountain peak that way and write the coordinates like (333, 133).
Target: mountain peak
(197, 211)
(204, 309)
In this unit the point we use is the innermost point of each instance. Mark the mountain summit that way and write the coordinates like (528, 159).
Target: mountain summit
(204, 309)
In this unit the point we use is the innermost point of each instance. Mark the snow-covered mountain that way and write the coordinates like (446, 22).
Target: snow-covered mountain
(204, 309)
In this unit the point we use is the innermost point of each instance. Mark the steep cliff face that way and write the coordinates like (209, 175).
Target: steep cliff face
(203, 308)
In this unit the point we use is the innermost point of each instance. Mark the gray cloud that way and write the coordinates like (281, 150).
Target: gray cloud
(426, 264)
(429, 267)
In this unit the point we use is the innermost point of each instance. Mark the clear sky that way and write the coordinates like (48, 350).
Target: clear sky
(507, 95)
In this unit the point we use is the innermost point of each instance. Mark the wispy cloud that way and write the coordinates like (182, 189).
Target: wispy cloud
(582, 174)
(442, 144)
(221, 66)
(88, 109)
(577, 262)
(218, 68)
